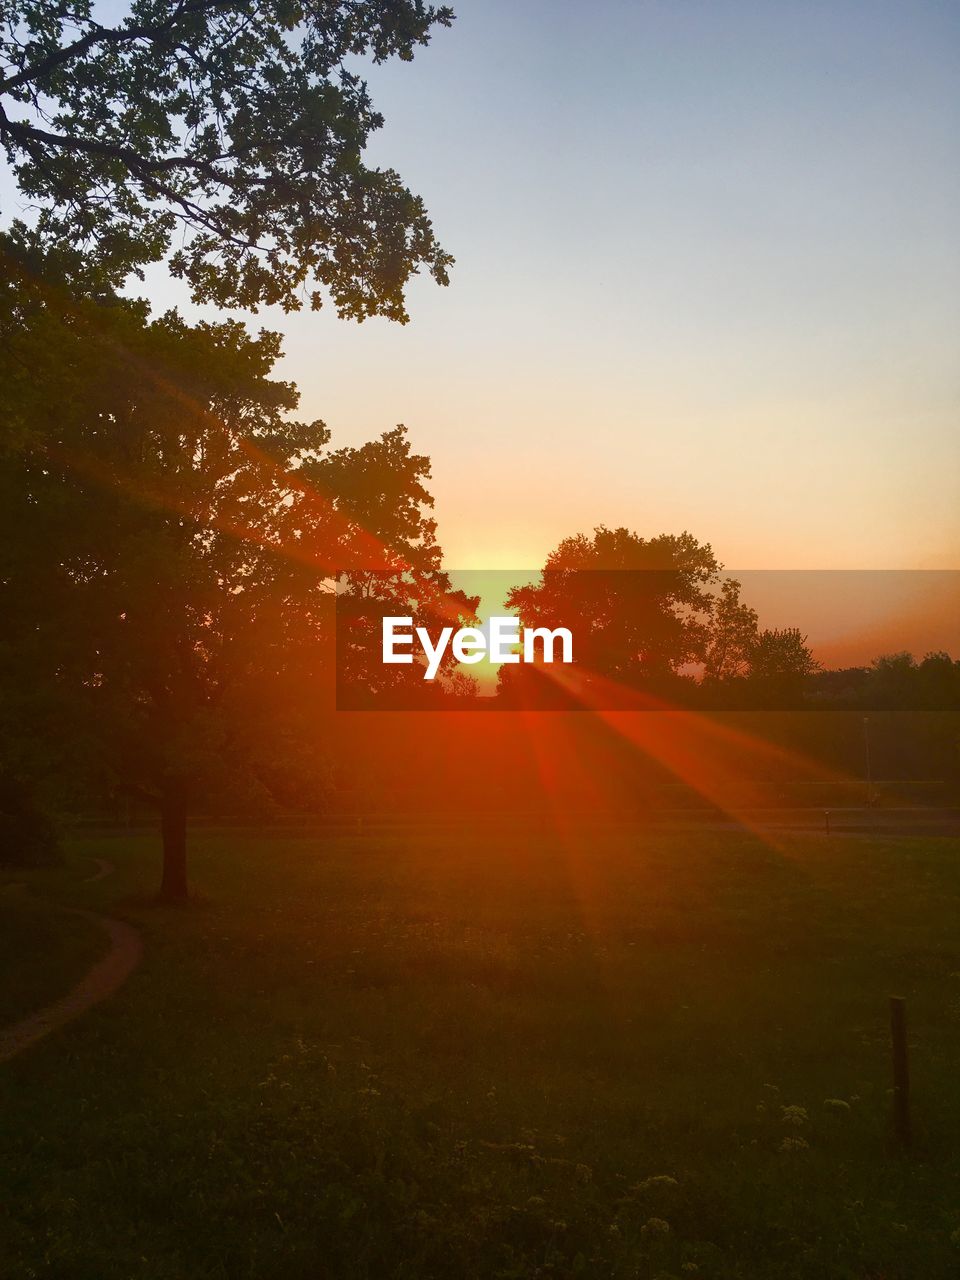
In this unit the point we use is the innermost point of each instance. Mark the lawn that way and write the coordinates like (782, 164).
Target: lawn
(42, 951)
(493, 1052)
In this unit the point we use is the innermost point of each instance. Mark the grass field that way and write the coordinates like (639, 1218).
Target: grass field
(487, 1053)
(41, 950)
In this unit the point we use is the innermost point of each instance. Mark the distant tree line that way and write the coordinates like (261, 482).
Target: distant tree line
(657, 616)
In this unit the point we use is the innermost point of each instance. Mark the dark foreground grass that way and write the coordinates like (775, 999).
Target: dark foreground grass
(484, 1054)
(42, 951)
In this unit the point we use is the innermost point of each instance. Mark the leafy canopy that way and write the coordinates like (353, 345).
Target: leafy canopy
(168, 533)
(638, 607)
(229, 130)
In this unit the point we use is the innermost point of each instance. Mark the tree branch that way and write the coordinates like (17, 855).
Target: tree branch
(26, 134)
(108, 35)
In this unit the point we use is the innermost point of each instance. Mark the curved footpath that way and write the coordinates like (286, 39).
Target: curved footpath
(100, 981)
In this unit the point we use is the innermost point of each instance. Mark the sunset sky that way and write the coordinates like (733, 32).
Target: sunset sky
(708, 277)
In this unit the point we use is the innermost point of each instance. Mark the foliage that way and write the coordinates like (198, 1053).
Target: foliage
(169, 535)
(233, 129)
(363, 679)
(638, 607)
(896, 681)
(645, 614)
(781, 654)
(733, 635)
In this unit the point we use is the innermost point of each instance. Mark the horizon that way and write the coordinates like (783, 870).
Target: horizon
(849, 617)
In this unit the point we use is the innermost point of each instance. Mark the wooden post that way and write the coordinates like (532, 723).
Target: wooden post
(901, 1069)
(826, 820)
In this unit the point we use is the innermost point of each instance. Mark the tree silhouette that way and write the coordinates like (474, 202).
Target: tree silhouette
(639, 608)
(234, 126)
(365, 599)
(781, 654)
(170, 535)
(169, 538)
(653, 615)
(733, 635)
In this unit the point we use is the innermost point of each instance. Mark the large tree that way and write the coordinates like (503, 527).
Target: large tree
(168, 537)
(231, 130)
(639, 608)
(168, 531)
(650, 613)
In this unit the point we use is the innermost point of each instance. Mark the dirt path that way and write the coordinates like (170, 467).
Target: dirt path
(99, 982)
(103, 868)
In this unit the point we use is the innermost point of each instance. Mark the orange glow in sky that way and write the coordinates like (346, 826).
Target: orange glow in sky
(707, 278)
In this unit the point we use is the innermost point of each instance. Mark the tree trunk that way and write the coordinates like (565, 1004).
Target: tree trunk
(173, 832)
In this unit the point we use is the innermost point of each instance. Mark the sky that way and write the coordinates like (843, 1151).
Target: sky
(707, 278)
